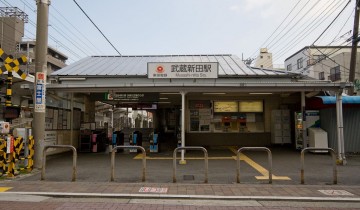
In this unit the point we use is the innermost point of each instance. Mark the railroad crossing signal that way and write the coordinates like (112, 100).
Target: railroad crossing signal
(11, 65)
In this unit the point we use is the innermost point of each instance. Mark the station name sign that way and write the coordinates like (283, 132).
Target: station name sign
(193, 70)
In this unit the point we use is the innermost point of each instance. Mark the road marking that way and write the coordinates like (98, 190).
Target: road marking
(3, 189)
(259, 168)
(336, 192)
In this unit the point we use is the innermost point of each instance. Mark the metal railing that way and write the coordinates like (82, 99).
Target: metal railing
(333, 155)
(254, 149)
(128, 147)
(59, 146)
(191, 148)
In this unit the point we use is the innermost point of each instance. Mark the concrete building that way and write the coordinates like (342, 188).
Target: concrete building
(323, 62)
(264, 60)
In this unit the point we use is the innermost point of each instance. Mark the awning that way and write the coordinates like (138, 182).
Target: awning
(345, 99)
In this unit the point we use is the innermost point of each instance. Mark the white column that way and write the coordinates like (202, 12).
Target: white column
(72, 120)
(304, 133)
(340, 129)
(183, 93)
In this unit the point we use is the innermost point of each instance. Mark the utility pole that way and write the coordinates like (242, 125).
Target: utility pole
(38, 125)
(354, 47)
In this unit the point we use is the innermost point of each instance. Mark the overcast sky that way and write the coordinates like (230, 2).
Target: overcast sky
(163, 27)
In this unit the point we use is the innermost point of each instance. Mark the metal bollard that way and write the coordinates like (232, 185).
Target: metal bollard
(254, 149)
(112, 178)
(59, 146)
(191, 148)
(302, 160)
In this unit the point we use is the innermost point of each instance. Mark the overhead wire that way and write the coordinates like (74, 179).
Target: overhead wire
(316, 22)
(97, 27)
(276, 28)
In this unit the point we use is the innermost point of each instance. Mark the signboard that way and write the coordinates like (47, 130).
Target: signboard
(9, 144)
(225, 106)
(250, 106)
(194, 70)
(40, 92)
(130, 97)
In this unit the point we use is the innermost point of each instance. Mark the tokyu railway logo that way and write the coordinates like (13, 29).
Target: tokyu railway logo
(160, 69)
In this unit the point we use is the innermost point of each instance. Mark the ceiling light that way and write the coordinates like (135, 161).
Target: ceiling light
(260, 93)
(169, 93)
(163, 98)
(214, 93)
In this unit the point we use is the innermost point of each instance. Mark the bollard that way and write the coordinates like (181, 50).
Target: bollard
(112, 178)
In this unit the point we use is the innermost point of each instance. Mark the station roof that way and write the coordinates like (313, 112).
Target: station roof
(229, 65)
(130, 73)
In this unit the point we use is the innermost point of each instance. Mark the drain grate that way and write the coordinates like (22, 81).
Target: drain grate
(189, 177)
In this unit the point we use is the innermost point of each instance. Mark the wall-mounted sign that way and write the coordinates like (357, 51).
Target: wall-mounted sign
(40, 92)
(126, 97)
(250, 106)
(225, 106)
(132, 96)
(197, 70)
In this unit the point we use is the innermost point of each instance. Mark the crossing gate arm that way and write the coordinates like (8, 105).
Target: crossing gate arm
(253, 149)
(128, 147)
(333, 155)
(191, 148)
(59, 146)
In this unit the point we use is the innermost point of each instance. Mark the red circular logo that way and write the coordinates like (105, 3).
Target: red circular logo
(160, 69)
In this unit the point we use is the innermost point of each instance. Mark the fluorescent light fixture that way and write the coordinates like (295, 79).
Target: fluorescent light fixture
(163, 98)
(169, 93)
(72, 78)
(164, 102)
(214, 93)
(260, 93)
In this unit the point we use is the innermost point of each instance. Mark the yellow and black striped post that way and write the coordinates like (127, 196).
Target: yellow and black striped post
(10, 65)
(30, 164)
(3, 155)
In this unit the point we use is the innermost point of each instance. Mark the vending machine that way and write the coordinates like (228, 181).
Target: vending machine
(311, 120)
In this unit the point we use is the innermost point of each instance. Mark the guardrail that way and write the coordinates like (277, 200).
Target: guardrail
(333, 155)
(254, 149)
(191, 148)
(127, 147)
(59, 146)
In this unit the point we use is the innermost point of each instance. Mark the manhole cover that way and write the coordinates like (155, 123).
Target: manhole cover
(189, 177)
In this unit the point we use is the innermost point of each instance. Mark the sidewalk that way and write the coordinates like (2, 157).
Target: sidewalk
(184, 191)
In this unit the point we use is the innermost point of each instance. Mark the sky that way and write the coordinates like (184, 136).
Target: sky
(178, 27)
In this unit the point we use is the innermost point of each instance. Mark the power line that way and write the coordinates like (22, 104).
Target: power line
(97, 27)
(332, 22)
(277, 27)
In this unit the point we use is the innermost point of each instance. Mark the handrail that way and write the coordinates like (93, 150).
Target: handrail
(253, 149)
(333, 155)
(191, 148)
(127, 147)
(59, 146)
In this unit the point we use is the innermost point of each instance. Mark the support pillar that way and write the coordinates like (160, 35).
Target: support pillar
(340, 129)
(183, 93)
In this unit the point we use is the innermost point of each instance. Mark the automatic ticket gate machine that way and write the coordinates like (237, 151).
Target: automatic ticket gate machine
(154, 142)
(118, 139)
(135, 139)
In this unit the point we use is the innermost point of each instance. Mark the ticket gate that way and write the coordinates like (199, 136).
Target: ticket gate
(154, 142)
(135, 139)
(118, 139)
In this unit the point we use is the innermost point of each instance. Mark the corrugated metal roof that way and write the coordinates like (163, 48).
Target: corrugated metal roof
(229, 65)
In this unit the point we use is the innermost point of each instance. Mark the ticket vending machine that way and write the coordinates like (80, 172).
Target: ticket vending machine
(154, 142)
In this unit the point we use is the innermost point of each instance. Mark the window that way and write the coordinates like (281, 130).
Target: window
(261, 66)
(335, 74)
(261, 56)
(321, 76)
(289, 67)
(299, 63)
